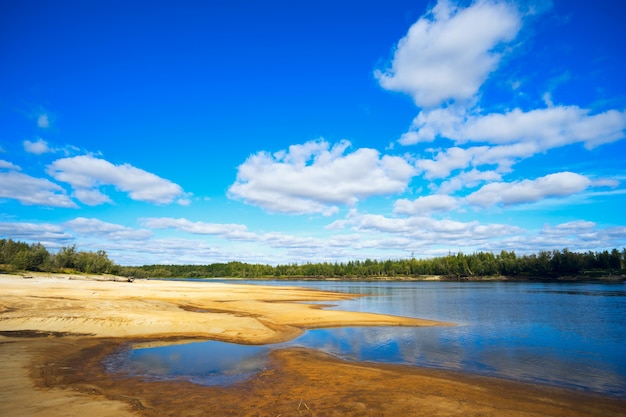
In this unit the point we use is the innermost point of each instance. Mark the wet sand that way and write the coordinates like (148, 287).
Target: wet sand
(55, 332)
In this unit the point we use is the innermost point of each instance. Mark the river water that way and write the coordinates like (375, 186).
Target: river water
(565, 334)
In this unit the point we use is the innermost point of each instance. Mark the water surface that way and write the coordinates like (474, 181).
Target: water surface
(564, 334)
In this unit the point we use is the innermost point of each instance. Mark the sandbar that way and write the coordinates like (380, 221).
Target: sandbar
(55, 332)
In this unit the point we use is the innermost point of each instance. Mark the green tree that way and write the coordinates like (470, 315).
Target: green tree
(66, 257)
(39, 257)
(93, 262)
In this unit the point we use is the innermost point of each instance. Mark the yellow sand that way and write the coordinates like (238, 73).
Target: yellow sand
(151, 308)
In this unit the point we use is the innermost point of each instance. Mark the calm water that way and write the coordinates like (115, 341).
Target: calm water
(571, 335)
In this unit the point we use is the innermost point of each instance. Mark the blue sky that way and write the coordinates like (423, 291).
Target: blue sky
(280, 132)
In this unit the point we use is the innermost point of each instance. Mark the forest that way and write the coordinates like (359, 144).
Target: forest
(545, 265)
(21, 256)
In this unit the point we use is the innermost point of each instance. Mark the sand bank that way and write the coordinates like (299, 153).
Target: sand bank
(56, 331)
(152, 309)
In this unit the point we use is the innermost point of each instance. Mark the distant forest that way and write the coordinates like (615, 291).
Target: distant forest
(20, 256)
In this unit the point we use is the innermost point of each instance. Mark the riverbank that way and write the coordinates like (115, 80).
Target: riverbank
(604, 278)
(56, 331)
(110, 307)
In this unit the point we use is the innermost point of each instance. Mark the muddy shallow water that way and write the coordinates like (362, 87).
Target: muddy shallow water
(301, 382)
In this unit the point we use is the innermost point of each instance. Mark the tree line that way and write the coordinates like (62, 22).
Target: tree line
(20, 256)
(544, 265)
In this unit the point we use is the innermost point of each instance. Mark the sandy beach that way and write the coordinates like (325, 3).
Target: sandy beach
(56, 330)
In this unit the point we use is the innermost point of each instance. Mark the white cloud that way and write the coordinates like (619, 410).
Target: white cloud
(34, 232)
(230, 231)
(545, 128)
(9, 165)
(239, 232)
(516, 134)
(167, 250)
(430, 124)
(298, 248)
(548, 128)
(468, 179)
(605, 182)
(426, 205)
(86, 174)
(314, 177)
(431, 237)
(561, 184)
(577, 236)
(281, 240)
(38, 147)
(98, 228)
(91, 197)
(443, 62)
(447, 161)
(504, 156)
(578, 227)
(376, 234)
(424, 230)
(43, 121)
(448, 54)
(33, 191)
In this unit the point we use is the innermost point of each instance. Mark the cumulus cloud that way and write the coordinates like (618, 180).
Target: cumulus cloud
(456, 158)
(37, 147)
(431, 124)
(86, 174)
(426, 230)
(426, 205)
(298, 248)
(230, 231)
(91, 197)
(424, 235)
(578, 227)
(9, 165)
(468, 179)
(560, 184)
(33, 191)
(35, 232)
(101, 229)
(315, 177)
(578, 236)
(546, 128)
(239, 232)
(443, 62)
(449, 53)
(516, 135)
(445, 162)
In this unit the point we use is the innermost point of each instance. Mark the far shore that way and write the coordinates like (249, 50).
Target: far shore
(55, 330)
(422, 278)
(585, 277)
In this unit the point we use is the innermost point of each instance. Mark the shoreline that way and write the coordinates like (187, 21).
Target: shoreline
(239, 313)
(297, 382)
(46, 365)
(603, 279)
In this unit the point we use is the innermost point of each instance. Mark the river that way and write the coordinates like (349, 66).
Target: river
(565, 334)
